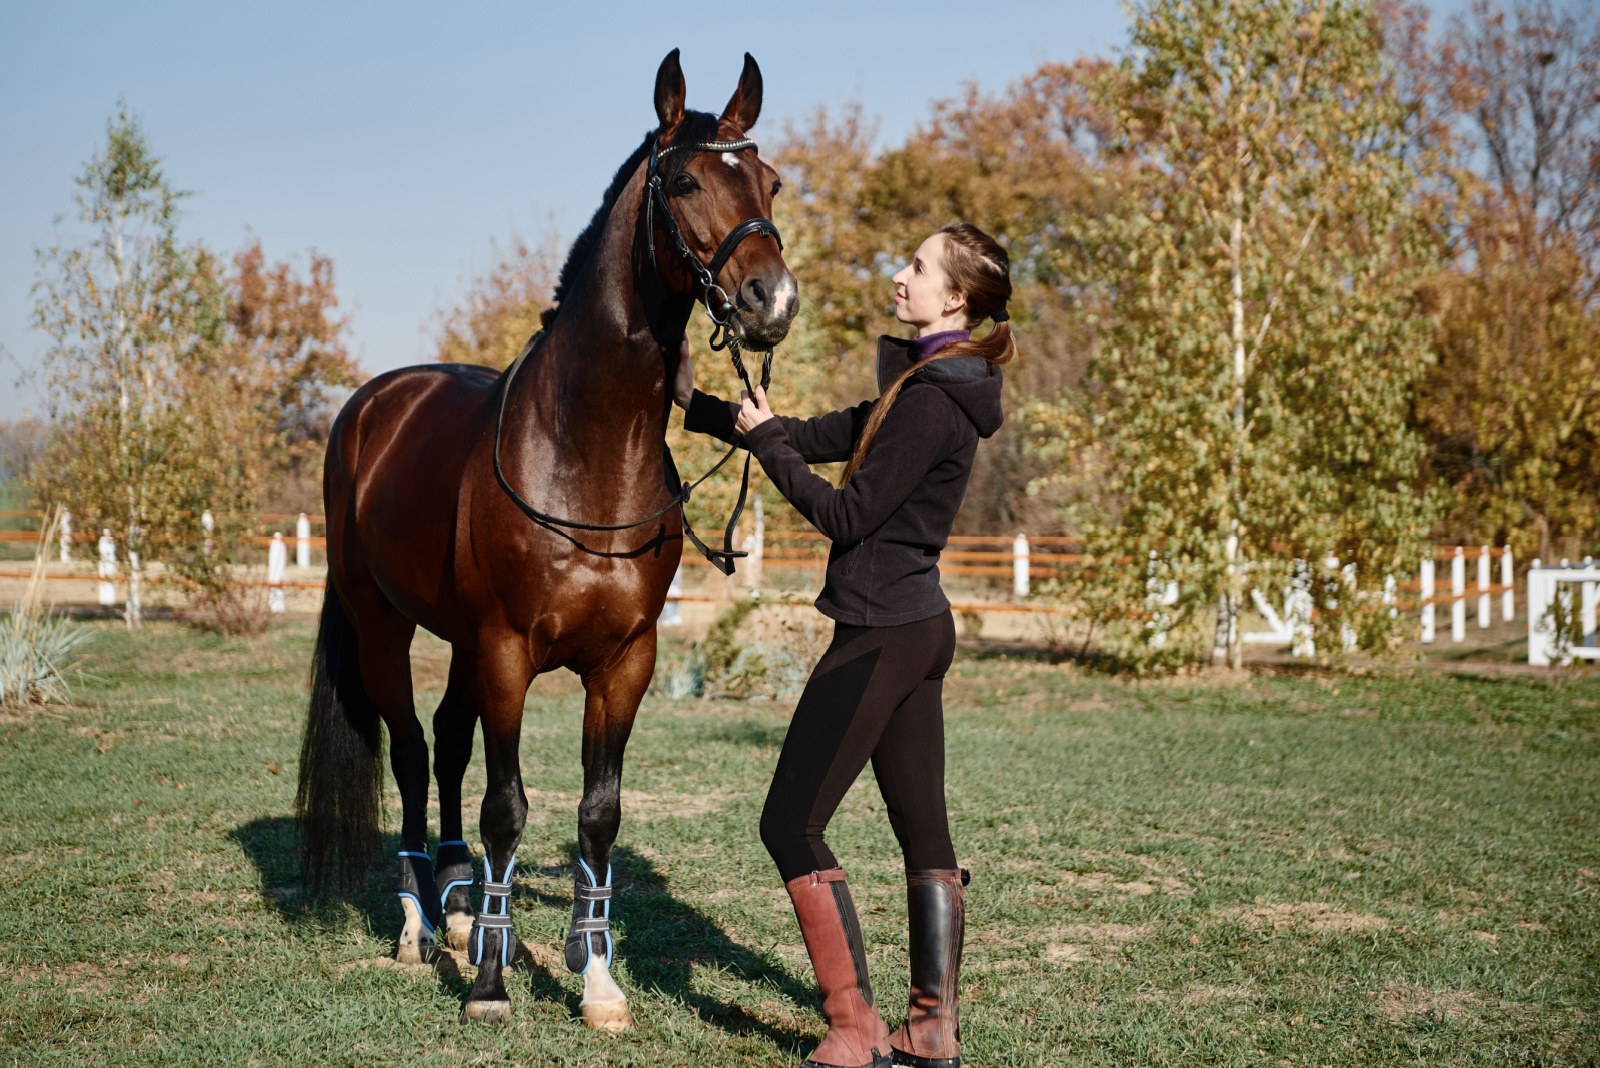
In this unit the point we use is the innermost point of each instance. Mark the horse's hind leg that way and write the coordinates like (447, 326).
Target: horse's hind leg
(613, 700)
(385, 655)
(453, 725)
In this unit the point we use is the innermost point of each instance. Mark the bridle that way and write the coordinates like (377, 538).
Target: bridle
(723, 336)
(715, 298)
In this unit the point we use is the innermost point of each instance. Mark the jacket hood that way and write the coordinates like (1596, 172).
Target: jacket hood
(971, 381)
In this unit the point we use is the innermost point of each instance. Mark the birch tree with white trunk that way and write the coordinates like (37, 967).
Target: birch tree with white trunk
(133, 316)
(1260, 342)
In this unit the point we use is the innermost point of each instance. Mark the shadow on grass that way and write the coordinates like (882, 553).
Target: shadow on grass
(662, 938)
(273, 845)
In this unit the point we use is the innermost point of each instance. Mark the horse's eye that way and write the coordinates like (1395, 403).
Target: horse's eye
(686, 183)
(776, 185)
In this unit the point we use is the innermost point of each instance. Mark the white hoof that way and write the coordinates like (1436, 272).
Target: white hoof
(457, 928)
(486, 1012)
(604, 1007)
(416, 943)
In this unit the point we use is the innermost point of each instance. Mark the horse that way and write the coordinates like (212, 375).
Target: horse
(501, 512)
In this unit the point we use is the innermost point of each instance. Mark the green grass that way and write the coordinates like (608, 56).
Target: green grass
(1298, 870)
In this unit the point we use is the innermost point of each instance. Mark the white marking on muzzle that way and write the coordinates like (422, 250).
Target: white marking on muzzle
(783, 296)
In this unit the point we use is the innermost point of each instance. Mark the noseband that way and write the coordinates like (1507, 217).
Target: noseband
(718, 306)
(723, 336)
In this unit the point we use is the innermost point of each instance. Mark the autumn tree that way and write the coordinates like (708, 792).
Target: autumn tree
(501, 308)
(1016, 163)
(1512, 408)
(286, 348)
(136, 321)
(1259, 344)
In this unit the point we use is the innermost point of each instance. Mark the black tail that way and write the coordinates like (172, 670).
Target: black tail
(340, 802)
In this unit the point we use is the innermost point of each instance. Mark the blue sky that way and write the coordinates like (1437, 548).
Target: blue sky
(401, 139)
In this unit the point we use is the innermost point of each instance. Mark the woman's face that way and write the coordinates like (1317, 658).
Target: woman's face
(922, 295)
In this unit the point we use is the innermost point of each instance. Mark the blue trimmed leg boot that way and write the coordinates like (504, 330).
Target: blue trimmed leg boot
(453, 882)
(416, 891)
(591, 916)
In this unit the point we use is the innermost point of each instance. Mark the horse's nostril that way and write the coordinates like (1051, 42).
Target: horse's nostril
(758, 293)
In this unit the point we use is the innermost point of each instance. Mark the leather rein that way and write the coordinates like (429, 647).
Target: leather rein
(723, 336)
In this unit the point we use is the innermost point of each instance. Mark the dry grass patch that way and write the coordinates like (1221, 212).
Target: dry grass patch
(1399, 1002)
(1313, 915)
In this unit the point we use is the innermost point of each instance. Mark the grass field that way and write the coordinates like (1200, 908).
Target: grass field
(1295, 870)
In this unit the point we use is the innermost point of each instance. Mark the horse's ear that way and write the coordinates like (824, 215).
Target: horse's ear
(744, 107)
(670, 92)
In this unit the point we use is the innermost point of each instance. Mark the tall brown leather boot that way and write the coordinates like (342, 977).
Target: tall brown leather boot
(931, 1035)
(857, 1036)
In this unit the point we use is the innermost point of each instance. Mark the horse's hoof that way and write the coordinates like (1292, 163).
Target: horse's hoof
(486, 1012)
(414, 953)
(606, 1015)
(457, 929)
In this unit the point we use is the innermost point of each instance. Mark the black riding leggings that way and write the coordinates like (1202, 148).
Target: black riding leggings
(875, 694)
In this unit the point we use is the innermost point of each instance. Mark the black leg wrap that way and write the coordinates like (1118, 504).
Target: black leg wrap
(492, 935)
(416, 882)
(454, 876)
(591, 915)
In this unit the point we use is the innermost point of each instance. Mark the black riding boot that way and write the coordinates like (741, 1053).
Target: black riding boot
(931, 1035)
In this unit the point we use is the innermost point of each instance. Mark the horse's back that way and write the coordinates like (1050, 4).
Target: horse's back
(397, 460)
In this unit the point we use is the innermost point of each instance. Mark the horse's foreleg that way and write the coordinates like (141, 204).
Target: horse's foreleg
(503, 677)
(453, 724)
(613, 700)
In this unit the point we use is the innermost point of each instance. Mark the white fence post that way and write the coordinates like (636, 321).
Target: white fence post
(1019, 566)
(1508, 579)
(1160, 595)
(672, 611)
(1485, 608)
(1458, 600)
(1538, 645)
(208, 523)
(107, 568)
(1427, 601)
(66, 536)
(1590, 605)
(1298, 607)
(277, 564)
(302, 541)
(755, 546)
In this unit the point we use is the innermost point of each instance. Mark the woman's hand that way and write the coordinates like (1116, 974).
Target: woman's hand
(753, 411)
(683, 383)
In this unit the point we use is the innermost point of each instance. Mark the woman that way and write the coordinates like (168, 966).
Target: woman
(876, 692)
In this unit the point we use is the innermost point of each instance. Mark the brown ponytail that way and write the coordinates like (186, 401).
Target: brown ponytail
(977, 266)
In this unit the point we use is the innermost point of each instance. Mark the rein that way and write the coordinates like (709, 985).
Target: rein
(723, 336)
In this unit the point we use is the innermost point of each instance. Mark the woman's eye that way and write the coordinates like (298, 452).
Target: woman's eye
(686, 184)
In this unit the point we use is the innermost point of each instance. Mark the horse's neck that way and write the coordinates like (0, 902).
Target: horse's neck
(601, 371)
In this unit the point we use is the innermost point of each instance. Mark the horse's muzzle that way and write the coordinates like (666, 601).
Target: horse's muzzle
(764, 308)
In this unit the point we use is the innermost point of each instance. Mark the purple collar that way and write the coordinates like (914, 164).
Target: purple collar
(928, 344)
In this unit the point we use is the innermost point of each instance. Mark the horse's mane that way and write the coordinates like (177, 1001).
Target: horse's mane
(696, 126)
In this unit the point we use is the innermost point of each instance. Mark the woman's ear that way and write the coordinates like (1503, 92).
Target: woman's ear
(954, 302)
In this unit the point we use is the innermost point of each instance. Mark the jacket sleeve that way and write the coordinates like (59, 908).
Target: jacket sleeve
(819, 440)
(912, 440)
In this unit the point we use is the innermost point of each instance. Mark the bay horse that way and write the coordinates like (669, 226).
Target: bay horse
(500, 511)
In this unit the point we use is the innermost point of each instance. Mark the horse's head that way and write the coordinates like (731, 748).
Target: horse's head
(717, 192)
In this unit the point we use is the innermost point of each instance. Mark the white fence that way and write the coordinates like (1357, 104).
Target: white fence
(1551, 590)
(1550, 600)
